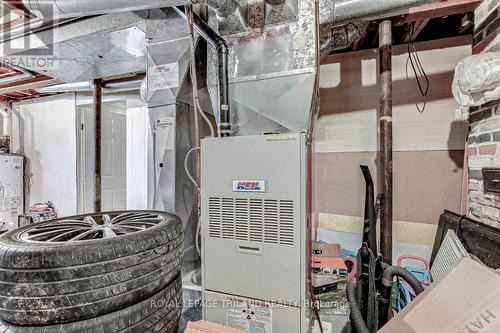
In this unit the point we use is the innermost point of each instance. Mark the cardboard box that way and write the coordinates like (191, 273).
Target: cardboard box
(465, 300)
(326, 250)
(208, 327)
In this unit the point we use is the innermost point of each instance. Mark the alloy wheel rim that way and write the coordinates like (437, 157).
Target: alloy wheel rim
(91, 227)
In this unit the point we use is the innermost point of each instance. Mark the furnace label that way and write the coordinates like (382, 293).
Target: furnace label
(249, 317)
(163, 77)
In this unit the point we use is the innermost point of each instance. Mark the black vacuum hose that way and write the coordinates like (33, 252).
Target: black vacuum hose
(356, 315)
(387, 281)
(392, 271)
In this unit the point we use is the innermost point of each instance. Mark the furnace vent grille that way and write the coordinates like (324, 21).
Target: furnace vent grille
(254, 220)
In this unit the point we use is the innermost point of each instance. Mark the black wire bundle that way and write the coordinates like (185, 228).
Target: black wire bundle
(418, 69)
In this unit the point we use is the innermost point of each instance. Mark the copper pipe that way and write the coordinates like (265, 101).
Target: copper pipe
(386, 161)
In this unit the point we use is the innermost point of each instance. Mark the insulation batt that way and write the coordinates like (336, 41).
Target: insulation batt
(477, 79)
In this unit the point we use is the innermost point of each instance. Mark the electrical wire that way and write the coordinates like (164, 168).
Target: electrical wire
(204, 116)
(194, 79)
(418, 69)
(198, 224)
(197, 109)
(186, 168)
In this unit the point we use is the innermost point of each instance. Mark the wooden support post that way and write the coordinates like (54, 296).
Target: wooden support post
(98, 149)
(386, 167)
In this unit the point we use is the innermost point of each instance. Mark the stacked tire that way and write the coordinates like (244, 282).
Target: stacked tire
(110, 272)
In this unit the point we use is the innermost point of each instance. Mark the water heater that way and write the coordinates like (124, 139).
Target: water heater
(11, 190)
(254, 235)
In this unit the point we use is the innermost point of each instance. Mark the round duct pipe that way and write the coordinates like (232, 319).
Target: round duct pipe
(343, 11)
(74, 8)
(79, 8)
(66, 87)
(87, 86)
(275, 2)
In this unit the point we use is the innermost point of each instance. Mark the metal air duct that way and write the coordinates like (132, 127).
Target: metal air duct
(76, 8)
(79, 8)
(338, 12)
(87, 86)
(275, 2)
(219, 44)
(24, 75)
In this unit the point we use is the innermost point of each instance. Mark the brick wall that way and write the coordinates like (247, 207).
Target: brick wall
(487, 27)
(484, 152)
(484, 135)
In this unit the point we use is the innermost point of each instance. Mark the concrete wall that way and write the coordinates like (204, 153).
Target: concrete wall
(484, 135)
(429, 146)
(138, 141)
(50, 147)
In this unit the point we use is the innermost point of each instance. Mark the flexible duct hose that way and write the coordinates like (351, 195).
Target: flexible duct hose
(356, 316)
(385, 294)
(389, 273)
(393, 271)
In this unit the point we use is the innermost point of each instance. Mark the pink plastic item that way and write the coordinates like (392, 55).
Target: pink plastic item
(420, 259)
(354, 271)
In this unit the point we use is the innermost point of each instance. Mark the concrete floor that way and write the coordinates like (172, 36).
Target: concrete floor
(191, 292)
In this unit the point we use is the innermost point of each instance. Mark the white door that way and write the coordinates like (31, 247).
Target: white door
(114, 158)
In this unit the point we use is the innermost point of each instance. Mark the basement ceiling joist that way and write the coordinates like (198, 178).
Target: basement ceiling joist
(17, 7)
(437, 20)
(437, 9)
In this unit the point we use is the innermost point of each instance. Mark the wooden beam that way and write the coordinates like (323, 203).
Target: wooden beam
(17, 7)
(12, 24)
(437, 9)
(418, 27)
(360, 41)
(466, 23)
